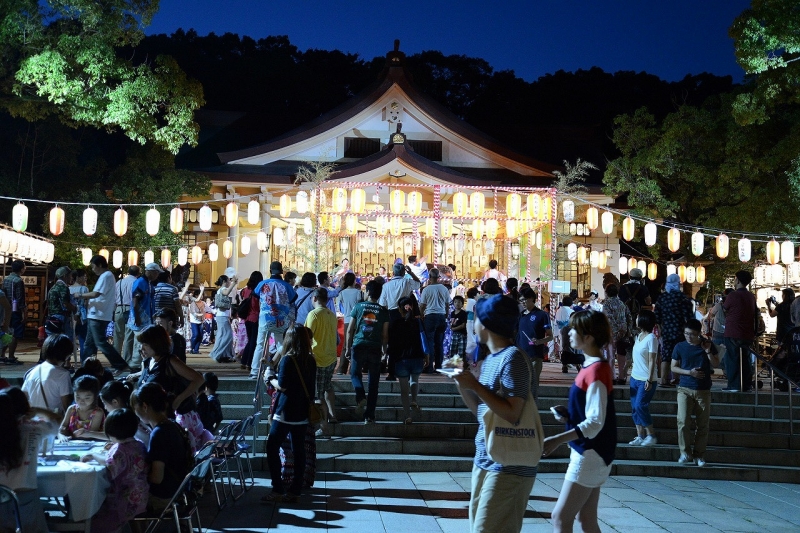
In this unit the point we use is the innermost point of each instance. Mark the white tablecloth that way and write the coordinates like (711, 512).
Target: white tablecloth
(83, 484)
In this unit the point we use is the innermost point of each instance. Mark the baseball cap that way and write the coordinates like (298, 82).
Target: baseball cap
(153, 267)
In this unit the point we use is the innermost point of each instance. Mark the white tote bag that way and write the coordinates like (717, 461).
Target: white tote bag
(515, 444)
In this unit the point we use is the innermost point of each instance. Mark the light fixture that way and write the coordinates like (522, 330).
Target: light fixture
(339, 200)
(787, 252)
(691, 274)
(262, 241)
(446, 228)
(176, 220)
(103, 252)
(197, 255)
(489, 247)
(183, 255)
(285, 205)
(592, 219)
(701, 274)
(227, 249)
(477, 204)
(232, 214)
(607, 222)
(682, 273)
(744, 250)
(204, 218)
(351, 224)
(344, 244)
(567, 209)
(773, 252)
(244, 245)
(291, 232)
(628, 228)
(254, 211)
(335, 223)
(594, 258)
(572, 251)
(133, 257)
(548, 209)
(602, 263)
(414, 203)
(698, 243)
(396, 226)
(460, 204)
(308, 228)
(301, 201)
(583, 255)
(151, 221)
(535, 207)
(671, 269)
(632, 264)
(19, 217)
(382, 225)
(623, 265)
(116, 259)
(213, 251)
(358, 201)
(515, 250)
(722, 246)
(120, 222)
(511, 229)
(641, 265)
(478, 228)
(397, 202)
(149, 257)
(430, 227)
(89, 221)
(652, 271)
(166, 258)
(674, 240)
(650, 232)
(491, 229)
(86, 256)
(513, 205)
(56, 221)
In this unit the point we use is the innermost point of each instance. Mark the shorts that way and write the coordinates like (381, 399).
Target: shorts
(407, 367)
(17, 324)
(588, 470)
(324, 377)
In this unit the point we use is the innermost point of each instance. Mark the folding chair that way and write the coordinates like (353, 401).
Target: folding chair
(9, 496)
(182, 507)
(241, 452)
(209, 453)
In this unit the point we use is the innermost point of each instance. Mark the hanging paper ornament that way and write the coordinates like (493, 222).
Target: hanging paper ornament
(511, 229)
(641, 265)
(133, 258)
(244, 245)
(19, 217)
(690, 274)
(477, 204)
(446, 229)
(701, 274)
(204, 218)
(116, 259)
(414, 203)
(152, 220)
(335, 223)
(650, 232)
(671, 269)
(213, 252)
(382, 225)
(592, 218)
(308, 228)
(572, 251)
(674, 240)
(478, 228)
(301, 202)
(232, 214)
(489, 247)
(149, 257)
(491, 229)
(183, 255)
(197, 255)
(120, 222)
(594, 258)
(722, 246)
(567, 209)
(623, 265)
(56, 221)
(227, 249)
(513, 205)
(397, 202)
(583, 255)
(396, 226)
(461, 242)
(358, 201)
(89, 221)
(607, 222)
(261, 241)
(602, 261)
(166, 258)
(86, 256)
(430, 227)
(291, 232)
(698, 243)
(535, 208)
(632, 264)
(351, 224)
(744, 250)
(548, 209)
(682, 273)
(773, 252)
(176, 220)
(254, 211)
(285, 205)
(652, 271)
(339, 200)
(787, 252)
(460, 204)
(628, 228)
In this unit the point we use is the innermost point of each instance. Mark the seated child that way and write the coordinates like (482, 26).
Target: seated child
(208, 406)
(83, 415)
(167, 319)
(127, 471)
(116, 395)
(93, 367)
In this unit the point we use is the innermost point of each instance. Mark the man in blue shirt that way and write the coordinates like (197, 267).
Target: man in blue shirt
(275, 312)
(533, 334)
(692, 361)
(141, 312)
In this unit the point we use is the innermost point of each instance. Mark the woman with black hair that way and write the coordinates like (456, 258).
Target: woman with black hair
(223, 346)
(197, 310)
(24, 428)
(251, 318)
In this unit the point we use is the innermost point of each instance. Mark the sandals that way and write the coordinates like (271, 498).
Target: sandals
(333, 421)
(408, 421)
(416, 407)
(273, 497)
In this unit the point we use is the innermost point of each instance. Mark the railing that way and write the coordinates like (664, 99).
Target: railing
(258, 401)
(773, 371)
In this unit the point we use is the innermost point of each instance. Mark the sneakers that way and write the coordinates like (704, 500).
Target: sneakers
(700, 462)
(362, 404)
(369, 421)
(416, 407)
(684, 459)
(13, 361)
(649, 440)
(637, 441)
(730, 390)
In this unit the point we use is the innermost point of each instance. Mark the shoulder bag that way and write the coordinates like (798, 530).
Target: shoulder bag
(519, 444)
(314, 410)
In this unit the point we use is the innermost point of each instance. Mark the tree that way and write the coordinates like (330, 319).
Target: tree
(767, 41)
(76, 60)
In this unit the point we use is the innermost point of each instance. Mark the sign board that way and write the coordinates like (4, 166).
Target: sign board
(559, 287)
(27, 280)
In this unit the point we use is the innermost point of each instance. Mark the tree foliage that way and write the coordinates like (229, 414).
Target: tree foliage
(767, 40)
(76, 60)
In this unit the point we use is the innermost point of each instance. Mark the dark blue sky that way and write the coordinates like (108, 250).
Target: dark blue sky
(535, 37)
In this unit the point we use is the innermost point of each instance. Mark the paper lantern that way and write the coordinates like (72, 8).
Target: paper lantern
(291, 232)
(335, 223)
(213, 252)
(231, 214)
(227, 248)
(594, 258)
(414, 203)
(396, 226)
(650, 233)
(632, 264)
(19, 217)
(744, 250)
(478, 228)
(322, 201)
(446, 228)
(253, 212)
(477, 204)
(722, 246)
(592, 219)
(512, 228)
(602, 263)
(133, 257)
(261, 241)
(641, 265)
(698, 243)
(489, 247)
(166, 258)
(548, 209)
(86, 256)
(382, 225)
(652, 271)
(116, 259)
(682, 273)
(674, 240)
(397, 202)
(535, 207)
(151, 221)
(671, 269)
(183, 255)
(567, 209)
(690, 274)
(176, 220)
(787, 252)
(491, 229)
(607, 222)
(244, 245)
(308, 227)
(628, 228)
(701, 274)
(204, 218)
(430, 227)
(285, 205)
(9, 241)
(197, 255)
(149, 257)
(339, 200)
(120, 222)
(103, 252)
(583, 255)
(358, 201)
(460, 204)
(623, 265)
(572, 251)
(351, 224)
(56, 221)
(773, 252)
(89, 221)
(513, 205)
(461, 242)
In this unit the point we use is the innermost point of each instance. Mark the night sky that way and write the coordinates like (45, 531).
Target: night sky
(533, 37)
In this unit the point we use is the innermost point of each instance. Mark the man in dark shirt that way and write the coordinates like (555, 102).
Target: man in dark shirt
(740, 316)
(533, 333)
(692, 361)
(458, 325)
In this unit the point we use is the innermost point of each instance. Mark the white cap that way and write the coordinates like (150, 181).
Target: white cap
(154, 267)
(230, 272)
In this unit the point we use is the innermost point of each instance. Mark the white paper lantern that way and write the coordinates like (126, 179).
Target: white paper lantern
(358, 201)
(120, 222)
(489, 247)
(623, 265)
(671, 269)
(477, 204)
(285, 205)
(86, 256)
(166, 258)
(698, 243)
(19, 217)
(89, 221)
(650, 233)
(56, 221)
(197, 254)
(261, 241)
(592, 218)
(701, 274)
(176, 220)
(446, 228)
(787, 252)
(151, 221)
(396, 226)
(594, 258)
(491, 229)
(478, 228)
(301, 199)
(652, 271)
(183, 255)
(567, 208)
(227, 249)
(690, 274)
(254, 211)
(116, 259)
(628, 228)
(149, 257)
(133, 258)
(307, 226)
(682, 273)
(513, 205)
(607, 222)
(512, 228)
(414, 203)
(291, 232)
(232, 214)
(279, 237)
(397, 202)
(204, 218)
(722, 246)
(339, 200)
(744, 250)
(602, 262)
(213, 252)
(773, 252)
(642, 265)
(244, 245)
(632, 264)
(103, 252)
(572, 252)
(673, 240)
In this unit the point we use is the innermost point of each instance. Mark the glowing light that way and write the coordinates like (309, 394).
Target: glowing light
(744, 250)
(358, 201)
(56, 221)
(414, 203)
(628, 228)
(491, 229)
(652, 271)
(176, 220)
(572, 252)
(650, 232)
(607, 222)
(261, 241)
(244, 245)
(478, 228)
(397, 202)
(104, 253)
(787, 252)
(301, 199)
(19, 217)
(698, 243)
(722, 246)
(197, 255)
(254, 211)
(477, 204)
(691, 273)
(682, 273)
(213, 251)
(149, 257)
(116, 259)
(204, 218)
(166, 258)
(701, 274)
(86, 256)
(773, 252)
(120, 222)
(673, 240)
(183, 255)
(227, 249)
(89, 221)
(623, 265)
(151, 221)
(232, 214)
(513, 205)
(567, 209)
(592, 219)
(460, 204)
(285, 205)
(133, 258)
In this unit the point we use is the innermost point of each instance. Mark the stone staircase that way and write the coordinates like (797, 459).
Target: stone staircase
(744, 443)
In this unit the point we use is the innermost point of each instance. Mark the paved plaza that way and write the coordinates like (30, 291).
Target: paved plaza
(375, 502)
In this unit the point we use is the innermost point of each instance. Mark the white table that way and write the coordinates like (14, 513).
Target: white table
(84, 485)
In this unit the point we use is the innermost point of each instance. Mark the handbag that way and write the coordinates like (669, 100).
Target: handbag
(519, 444)
(314, 410)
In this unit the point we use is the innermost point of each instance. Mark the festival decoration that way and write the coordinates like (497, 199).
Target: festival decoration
(232, 214)
(607, 222)
(204, 218)
(254, 211)
(56, 221)
(773, 252)
(213, 252)
(176, 220)
(650, 232)
(89, 221)
(460, 204)
(133, 257)
(722, 246)
(414, 203)
(183, 255)
(698, 243)
(166, 258)
(567, 209)
(244, 245)
(744, 250)
(477, 203)
(628, 228)
(151, 221)
(592, 218)
(397, 202)
(673, 240)
(116, 259)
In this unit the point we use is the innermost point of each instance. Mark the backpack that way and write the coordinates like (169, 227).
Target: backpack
(245, 306)
(633, 304)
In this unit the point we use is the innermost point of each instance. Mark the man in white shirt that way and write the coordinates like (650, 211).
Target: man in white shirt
(100, 313)
(123, 336)
(433, 306)
(397, 287)
(48, 384)
(418, 266)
